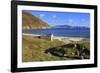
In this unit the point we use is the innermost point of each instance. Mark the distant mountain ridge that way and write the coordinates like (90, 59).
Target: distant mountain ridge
(30, 21)
(71, 27)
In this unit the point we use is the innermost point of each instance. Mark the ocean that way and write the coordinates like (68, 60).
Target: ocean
(61, 32)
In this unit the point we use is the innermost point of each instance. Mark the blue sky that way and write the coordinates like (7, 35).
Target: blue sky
(62, 18)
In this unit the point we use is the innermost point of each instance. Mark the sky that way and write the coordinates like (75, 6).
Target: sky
(62, 18)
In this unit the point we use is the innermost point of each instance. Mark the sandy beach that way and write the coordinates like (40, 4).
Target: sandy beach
(68, 39)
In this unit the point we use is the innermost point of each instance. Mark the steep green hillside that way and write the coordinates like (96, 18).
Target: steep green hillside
(30, 21)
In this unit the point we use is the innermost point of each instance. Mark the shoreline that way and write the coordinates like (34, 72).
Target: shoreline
(60, 38)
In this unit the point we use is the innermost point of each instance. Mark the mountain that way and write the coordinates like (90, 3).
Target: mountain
(70, 27)
(30, 21)
(62, 26)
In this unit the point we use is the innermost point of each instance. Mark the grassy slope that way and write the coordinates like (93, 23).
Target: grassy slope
(32, 21)
(34, 48)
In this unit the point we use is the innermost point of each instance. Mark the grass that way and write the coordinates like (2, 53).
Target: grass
(39, 49)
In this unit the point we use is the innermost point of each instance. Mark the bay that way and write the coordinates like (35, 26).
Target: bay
(61, 32)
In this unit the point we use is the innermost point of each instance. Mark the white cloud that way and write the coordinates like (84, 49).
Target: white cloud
(83, 20)
(70, 20)
(54, 16)
(42, 15)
